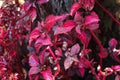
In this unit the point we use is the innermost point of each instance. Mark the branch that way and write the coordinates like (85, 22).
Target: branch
(108, 13)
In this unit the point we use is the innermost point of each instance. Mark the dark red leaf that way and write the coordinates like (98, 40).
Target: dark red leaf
(76, 6)
(33, 60)
(103, 53)
(82, 71)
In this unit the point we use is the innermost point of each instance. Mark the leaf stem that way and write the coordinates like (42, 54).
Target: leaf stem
(96, 39)
(108, 13)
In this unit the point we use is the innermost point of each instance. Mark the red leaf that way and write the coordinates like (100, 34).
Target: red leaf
(33, 60)
(116, 68)
(42, 1)
(82, 72)
(78, 17)
(113, 43)
(75, 49)
(76, 6)
(42, 41)
(34, 70)
(81, 35)
(92, 18)
(69, 23)
(68, 26)
(103, 53)
(50, 21)
(68, 62)
(47, 74)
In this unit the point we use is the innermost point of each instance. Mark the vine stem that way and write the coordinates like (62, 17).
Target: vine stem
(98, 42)
(96, 39)
(108, 13)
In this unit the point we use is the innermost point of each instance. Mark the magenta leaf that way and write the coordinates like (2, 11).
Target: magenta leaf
(69, 23)
(51, 20)
(33, 60)
(116, 68)
(103, 53)
(42, 1)
(47, 74)
(81, 35)
(68, 62)
(113, 43)
(34, 70)
(75, 49)
(68, 26)
(91, 21)
(34, 35)
(42, 42)
(76, 6)
(82, 71)
(78, 17)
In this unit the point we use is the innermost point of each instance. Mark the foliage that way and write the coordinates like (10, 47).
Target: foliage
(57, 47)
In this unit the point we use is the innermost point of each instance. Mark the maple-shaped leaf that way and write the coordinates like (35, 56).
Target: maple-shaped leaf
(33, 60)
(34, 70)
(75, 49)
(34, 35)
(76, 6)
(47, 74)
(42, 1)
(33, 13)
(113, 43)
(91, 21)
(67, 26)
(68, 62)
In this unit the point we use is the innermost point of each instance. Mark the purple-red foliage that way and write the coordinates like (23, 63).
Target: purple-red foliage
(58, 45)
